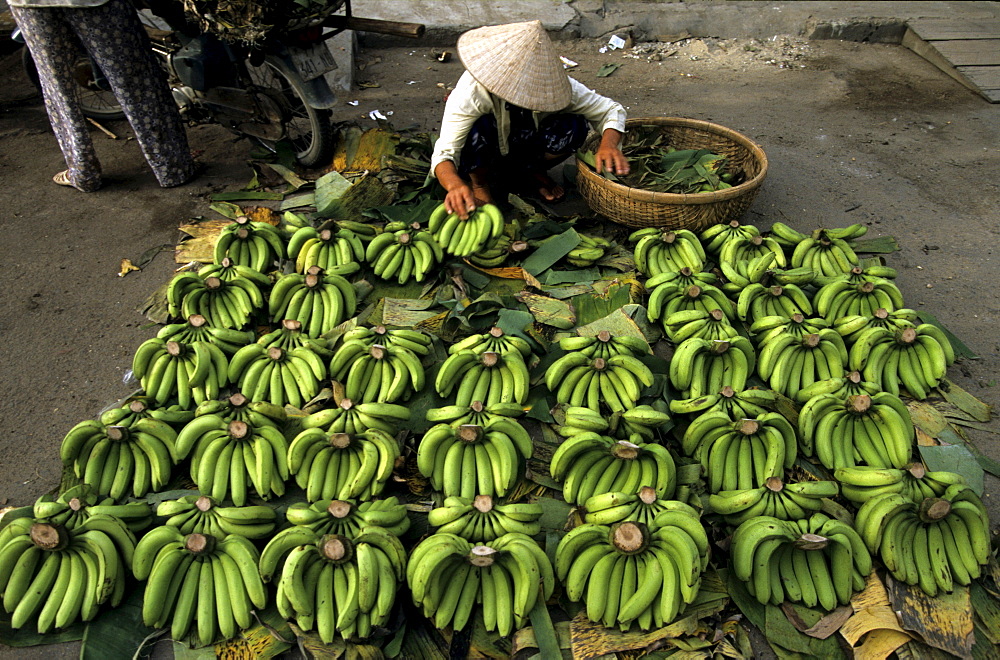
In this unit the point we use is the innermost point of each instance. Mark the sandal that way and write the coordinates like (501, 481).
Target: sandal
(62, 179)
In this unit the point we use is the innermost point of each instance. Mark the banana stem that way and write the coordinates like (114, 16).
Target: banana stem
(483, 503)
(481, 556)
(339, 509)
(199, 544)
(933, 509)
(49, 537)
(336, 548)
(630, 537)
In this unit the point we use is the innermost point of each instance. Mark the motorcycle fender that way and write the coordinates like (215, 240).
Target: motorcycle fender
(317, 91)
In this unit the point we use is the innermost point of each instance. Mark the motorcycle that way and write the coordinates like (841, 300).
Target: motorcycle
(273, 92)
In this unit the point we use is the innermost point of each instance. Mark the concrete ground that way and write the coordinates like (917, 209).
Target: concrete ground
(855, 131)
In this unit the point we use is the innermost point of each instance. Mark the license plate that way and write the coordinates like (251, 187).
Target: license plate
(312, 62)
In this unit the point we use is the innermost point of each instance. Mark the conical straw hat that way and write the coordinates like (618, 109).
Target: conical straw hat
(518, 63)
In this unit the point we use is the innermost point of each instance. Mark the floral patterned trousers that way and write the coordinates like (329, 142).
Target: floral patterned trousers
(115, 39)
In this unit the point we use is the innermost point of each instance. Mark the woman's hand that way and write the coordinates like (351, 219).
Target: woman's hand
(460, 200)
(609, 156)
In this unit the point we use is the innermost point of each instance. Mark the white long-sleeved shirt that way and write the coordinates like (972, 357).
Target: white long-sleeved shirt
(470, 100)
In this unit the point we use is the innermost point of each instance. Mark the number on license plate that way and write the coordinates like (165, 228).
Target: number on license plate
(312, 62)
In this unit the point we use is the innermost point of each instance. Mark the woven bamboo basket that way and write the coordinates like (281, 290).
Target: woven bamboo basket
(635, 207)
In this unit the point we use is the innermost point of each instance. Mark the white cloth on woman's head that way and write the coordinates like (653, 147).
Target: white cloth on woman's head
(470, 100)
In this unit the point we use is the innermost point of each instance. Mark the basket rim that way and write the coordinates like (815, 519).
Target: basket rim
(640, 195)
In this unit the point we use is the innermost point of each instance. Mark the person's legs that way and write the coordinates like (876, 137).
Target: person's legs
(55, 49)
(116, 40)
(559, 136)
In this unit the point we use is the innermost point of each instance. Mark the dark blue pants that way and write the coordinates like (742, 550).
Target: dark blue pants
(556, 134)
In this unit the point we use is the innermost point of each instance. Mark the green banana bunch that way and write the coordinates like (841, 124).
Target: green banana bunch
(671, 297)
(715, 237)
(744, 404)
(818, 561)
(640, 422)
(740, 455)
(335, 584)
(404, 255)
(757, 301)
(229, 304)
(57, 575)
(448, 575)
(196, 328)
(766, 328)
(658, 251)
(325, 247)
(825, 253)
(120, 460)
(277, 375)
(412, 340)
(933, 543)
(198, 583)
(200, 514)
(319, 300)
(775, 498)
(230, 458)
(291, 222)
(191, 373)
(631, 572)
(497, 254)
(642, 506)
(481, 519)
(476, 414)
(588, 464)
(741, 274)
(739, 252)
(77, 504)
(348, 518)
(363, 230)
(257, 245)
(227, 270)
(588, 251)
(787, 237)
(861, 482)
(488, 377)
(494, 340)
(237, 407)
(617, 382)
(682, 277)
(852, 327)
(876, 429)
(698, 323)
(353, 418)
(789, 362)
(859, 275)
(382, 374)
(463, 238)
(845, 298)
(342, 466)
(134, 409)
(471, 460)
(702, 366)
(850, 384)
(289, 335)
(914, 359)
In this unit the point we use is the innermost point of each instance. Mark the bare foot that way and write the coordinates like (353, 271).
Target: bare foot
(547, 188)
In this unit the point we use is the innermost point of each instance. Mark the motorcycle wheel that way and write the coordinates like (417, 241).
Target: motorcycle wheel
(307, 129)
(95, 102)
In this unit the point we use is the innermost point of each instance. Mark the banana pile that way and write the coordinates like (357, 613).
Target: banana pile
(775, 499)
(257, 245)
(228, 459)
(463, 238)
(762, 271)
(852, 384)
(377, 373)
(714, 238)
(404, 255)
(318, 299)
(745, 404)
(826, 251)
(767, 328)
(633, 572)
(347, 518)
(414, 341)
(479, 414)
(744, 250)
(58, 575)
(699, 324)
(876, 430)
(341, 465)
(237, 407)
(354, 418)
(335, 584)
(814, 561)
(790, 362)
(190, 373)
(224, 303)
(469, 460)
(589, 464)
(657, 251)
(742, 454)
(488, 377)
(289, 335)
(448, 576)
(120, 460)
(852, 327)
(324, 247)
(641, 506)
(200, 514)
(602, 369)
(481, 519)
(914, 358)
(757, 301)
(638, 424)
(198, 583)
(588, 251)
(934, 543)
(676, 295)
(843, 297)
(277, 375)
(915, 482)
(196, 328)
(704, 366)
(76, 504)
